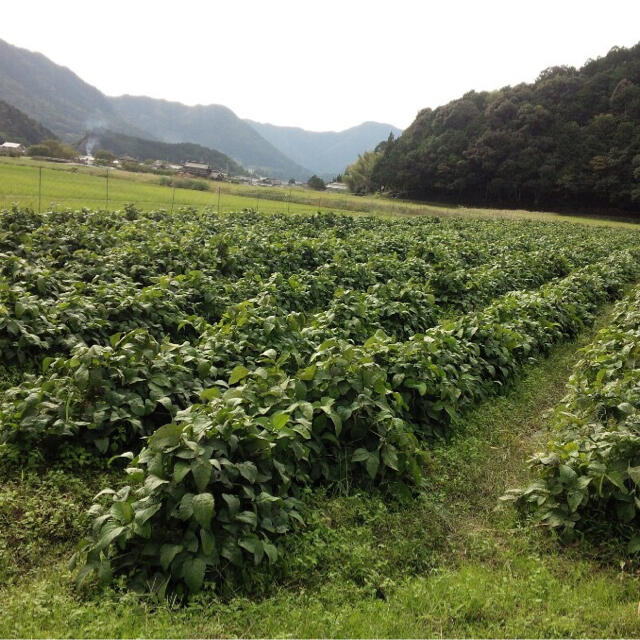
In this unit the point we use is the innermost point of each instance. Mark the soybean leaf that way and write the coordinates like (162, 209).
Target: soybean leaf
(372, 464)
(194, 570)
(239, 372)
(203, 508)
(167, 553)
(165, 437)
(201, 470)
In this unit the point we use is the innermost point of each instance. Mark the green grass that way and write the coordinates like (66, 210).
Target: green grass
(75, 187)
(65, 185)
(446, 564)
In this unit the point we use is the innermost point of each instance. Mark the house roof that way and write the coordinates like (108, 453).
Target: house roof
(11, 145)
(196, 165)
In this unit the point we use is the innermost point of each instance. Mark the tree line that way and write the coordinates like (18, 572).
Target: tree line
(569, 140)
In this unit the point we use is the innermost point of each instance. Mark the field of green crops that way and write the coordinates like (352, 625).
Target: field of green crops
(200, 412)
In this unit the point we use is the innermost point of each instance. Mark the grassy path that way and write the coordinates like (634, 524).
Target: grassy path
(447, 564)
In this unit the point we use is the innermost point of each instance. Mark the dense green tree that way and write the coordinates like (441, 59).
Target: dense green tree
(316, 183)
(102, 156)
(569, 139)
(357, 176)
(52, 149)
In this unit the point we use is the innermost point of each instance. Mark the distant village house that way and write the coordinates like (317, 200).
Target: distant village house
(266, 182)
(12, 148)
(337, 186)
(197, 169)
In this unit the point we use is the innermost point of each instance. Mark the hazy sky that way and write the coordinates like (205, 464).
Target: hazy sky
(322, 65)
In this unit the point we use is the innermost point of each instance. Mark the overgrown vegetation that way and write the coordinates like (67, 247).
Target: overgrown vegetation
(185, 183)
(52, 149)
(446, 564)
(221, 482)
(359, 175)
(314, 182)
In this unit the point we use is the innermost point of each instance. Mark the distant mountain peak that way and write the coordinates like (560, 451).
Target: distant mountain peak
(64, 103)
(214, 126)
(54, 95)
(326, 153)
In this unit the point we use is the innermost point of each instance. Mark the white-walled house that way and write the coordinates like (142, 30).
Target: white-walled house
(15, 148)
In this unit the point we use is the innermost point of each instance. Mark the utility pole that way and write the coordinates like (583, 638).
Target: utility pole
(219, 198)
(289, 202)
(107, 206)
(39, 189)
(173, 197)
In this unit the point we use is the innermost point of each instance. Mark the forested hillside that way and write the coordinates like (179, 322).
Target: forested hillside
(213, 126)
(121, 145)
(16, 126)
(570, 139)
(54, 95)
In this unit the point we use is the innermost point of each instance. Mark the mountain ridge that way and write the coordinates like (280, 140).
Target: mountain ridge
(54, 95)
(64, 103)
(327, 153)
(16, 126)
(214, 126)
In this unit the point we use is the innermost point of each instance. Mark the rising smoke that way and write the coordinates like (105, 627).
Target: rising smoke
(90, 145)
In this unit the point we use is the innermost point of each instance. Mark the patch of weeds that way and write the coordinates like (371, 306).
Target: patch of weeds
(42, 515)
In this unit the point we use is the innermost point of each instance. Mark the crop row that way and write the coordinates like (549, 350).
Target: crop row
(590, 475)
(39, 316)
(109, 394)
(216, 486)
(58, 290)
(55, 250)
(93, 244)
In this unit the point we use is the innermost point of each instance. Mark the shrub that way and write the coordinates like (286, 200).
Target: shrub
(52, 149)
